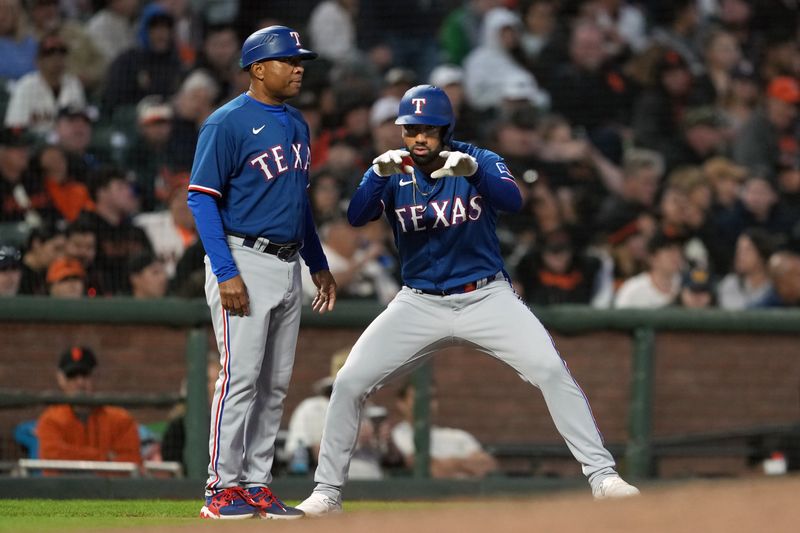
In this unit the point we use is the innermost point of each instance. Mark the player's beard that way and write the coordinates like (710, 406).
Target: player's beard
(424, 160)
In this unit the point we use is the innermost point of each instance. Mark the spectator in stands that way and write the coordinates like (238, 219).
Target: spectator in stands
(784, 271)
(332, 29)
(697, 290)
(701, 137)
(68, 196)
(193, 103)
(173, 441)
(117, 238)
(383, 130)
(112, 28)
(82, 432)
(171, 231)
(769, 139)
(642, 171)
(73, 132)
(760, 207)
(454, 452)
(461, 29)
(555, 272)
(659, 109)
(147, 276)
(789, 192)
(660, 285)
(450, 79)
(304, 435)
(676, 28)
(749, 283)
(37, 96)
(356, 262)
(17, 44)
(66, 278)
(10, 270)
(741, 101)
(726, 180)
(22, 197)
(190, 273)
(148, 151)
(736, 18)
(325, 192)
(84, 59)
(488, 67)
(589, 71)
(623, 23)
(81, 244)
(43, 247)
(539, 19)
(722, 55)
(220, 59)
(152, 67)
(397, 81)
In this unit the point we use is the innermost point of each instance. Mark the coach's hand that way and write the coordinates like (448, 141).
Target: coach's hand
(391, 162)
(456, 164)
(326, 291)
(233, 294)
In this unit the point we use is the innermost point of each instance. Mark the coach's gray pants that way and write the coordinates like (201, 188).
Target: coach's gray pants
(257, 355)
(492, 318)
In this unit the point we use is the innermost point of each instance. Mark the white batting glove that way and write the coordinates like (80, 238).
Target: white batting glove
(456, 164)
(391, 162)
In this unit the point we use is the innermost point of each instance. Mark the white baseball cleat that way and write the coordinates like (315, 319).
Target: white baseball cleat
(319, 504)
(614, 487)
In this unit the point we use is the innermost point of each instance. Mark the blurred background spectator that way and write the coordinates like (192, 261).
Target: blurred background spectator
(81, 432)
(10, 270)
(454, 453)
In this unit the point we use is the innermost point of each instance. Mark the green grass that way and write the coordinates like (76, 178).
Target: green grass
(27, 516)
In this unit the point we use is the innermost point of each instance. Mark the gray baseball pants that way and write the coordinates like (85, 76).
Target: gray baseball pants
(491, 317)
(257, 355)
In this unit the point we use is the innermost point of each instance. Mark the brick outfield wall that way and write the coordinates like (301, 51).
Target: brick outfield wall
(703, 382)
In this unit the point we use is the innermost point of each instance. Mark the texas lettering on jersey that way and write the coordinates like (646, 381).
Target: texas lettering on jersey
(273, 162)
(443, 214)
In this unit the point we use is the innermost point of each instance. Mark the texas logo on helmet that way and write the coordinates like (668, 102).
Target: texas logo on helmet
(427, 105)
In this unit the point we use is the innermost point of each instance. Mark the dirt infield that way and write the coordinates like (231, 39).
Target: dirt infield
(751, 506)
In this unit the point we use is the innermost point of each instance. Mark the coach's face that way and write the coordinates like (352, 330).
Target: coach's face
(280, 78)
(424, 142)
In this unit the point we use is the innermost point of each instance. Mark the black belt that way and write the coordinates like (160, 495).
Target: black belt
(284, 252)
(461, 289)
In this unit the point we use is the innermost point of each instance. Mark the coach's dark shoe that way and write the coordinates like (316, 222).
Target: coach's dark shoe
(228, 504)
(270, 506)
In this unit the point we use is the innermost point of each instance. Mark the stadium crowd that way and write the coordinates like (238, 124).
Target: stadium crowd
(656, 143)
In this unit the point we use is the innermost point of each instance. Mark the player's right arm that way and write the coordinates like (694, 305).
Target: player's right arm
(367, 203)
(213, 164)
(370, 200)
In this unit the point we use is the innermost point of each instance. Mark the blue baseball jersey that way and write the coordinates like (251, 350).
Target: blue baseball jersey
(444, 229)
(257, 168)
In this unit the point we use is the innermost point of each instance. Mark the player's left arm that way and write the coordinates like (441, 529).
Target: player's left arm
(314, 257)
(487, 172)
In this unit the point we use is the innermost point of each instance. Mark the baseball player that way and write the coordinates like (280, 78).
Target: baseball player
(441, 198)
(248, 196)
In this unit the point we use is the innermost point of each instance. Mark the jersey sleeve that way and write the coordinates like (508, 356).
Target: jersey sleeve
(370, 199)
(214, 160)
(494, 181)
(312, 252)
(212, 234)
